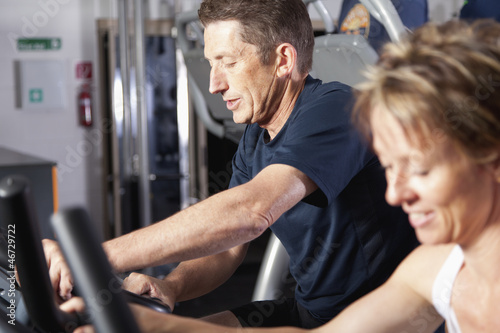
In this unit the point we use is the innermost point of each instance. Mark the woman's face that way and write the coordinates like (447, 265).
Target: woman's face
(447, 197)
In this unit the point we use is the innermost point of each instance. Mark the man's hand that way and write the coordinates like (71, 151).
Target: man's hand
(59, 272)
(146, 285)
(76, 304)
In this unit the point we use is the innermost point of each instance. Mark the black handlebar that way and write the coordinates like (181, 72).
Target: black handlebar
(101, 289)
(19, 222)
(92, 272)
(151, 303)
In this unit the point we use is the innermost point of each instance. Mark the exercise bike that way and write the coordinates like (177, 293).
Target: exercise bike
(30, 305)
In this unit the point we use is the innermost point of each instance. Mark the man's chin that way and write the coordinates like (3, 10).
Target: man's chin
(240, 120)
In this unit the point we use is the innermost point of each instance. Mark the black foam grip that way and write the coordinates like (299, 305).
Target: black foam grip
(93, 275)
(18, 220)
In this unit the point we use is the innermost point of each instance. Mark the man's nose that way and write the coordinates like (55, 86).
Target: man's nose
(218, 82)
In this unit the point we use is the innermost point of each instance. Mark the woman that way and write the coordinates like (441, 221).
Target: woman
(431, 109)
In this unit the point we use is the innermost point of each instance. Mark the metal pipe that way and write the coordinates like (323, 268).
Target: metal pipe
(325, 15)
(142, 116)
(385, 12)
(183, 128)
(123, 37)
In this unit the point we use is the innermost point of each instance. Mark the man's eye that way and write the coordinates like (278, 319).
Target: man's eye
(229, 65)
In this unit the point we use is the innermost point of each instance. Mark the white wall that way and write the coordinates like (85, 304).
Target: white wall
(52, 134)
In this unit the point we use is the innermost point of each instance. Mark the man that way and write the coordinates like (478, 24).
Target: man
(299, 170)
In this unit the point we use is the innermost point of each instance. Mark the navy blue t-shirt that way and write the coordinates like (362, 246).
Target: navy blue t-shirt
(474, 9)
(343, 240)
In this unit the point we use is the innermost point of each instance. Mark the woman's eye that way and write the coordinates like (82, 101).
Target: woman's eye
(386, 168)
(421, 172)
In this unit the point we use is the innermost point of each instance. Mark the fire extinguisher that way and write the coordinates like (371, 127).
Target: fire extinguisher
(85, 106)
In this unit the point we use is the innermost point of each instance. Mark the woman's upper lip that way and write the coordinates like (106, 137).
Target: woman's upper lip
(417, 212)
(414, 211)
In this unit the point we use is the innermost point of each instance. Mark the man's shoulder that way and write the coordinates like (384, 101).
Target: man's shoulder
(329, 94)
(330, 101)
(318, 87)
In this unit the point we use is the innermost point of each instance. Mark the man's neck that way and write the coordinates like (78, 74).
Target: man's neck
(291, 93)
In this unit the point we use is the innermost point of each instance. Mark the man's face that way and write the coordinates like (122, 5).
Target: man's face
(247, 86)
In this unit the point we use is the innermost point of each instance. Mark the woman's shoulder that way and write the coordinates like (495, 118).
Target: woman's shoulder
(428, 252)
(420, 268)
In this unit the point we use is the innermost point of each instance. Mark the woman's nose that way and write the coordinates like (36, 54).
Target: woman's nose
(398, 190)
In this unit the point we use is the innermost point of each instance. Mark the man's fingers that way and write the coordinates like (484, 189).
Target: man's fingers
(59, 273)
(75, 304)
(137, 283)
(65, 286)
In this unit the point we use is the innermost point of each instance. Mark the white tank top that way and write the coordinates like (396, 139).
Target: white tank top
(443, 288)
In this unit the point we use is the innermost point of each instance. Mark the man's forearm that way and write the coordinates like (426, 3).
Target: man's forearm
(197, 277)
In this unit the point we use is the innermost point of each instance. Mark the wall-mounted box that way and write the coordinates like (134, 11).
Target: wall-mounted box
(41, 84)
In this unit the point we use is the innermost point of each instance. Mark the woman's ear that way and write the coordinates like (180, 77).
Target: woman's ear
(286, 59)
(495, 166)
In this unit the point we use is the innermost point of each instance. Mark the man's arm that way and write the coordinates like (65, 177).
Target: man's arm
(217, 224)
(190, 279)
(267, 197)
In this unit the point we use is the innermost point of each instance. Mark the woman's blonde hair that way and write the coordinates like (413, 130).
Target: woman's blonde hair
(441, 79)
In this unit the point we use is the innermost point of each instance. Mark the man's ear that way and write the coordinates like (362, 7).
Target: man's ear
(286, 59)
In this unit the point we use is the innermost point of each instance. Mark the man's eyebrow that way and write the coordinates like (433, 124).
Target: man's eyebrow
(218, 57)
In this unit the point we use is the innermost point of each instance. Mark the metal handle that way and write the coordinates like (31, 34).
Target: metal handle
(385, 12)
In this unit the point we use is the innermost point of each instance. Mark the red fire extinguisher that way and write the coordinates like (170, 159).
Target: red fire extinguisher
(85, 106)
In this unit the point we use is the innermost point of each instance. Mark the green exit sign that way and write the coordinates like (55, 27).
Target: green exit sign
(38, 44)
